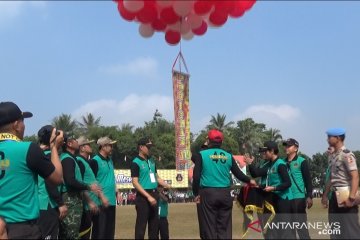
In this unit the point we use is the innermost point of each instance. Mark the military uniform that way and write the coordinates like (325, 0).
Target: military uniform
(342, 163)
(88, 178)
(71, 194)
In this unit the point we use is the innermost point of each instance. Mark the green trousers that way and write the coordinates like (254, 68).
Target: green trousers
(70, 225)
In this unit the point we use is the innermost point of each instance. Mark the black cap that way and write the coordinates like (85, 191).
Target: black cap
(10, 112)
(145, 142)
(269, 145)
(291, 142)
(44, 134)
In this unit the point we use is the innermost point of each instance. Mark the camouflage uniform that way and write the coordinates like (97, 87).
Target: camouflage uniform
(70, 225)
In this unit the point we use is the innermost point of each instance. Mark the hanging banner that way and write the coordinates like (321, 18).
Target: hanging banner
(182, 119)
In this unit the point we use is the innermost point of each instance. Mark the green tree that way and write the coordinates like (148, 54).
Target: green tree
(65, 123)
(89, 121)
(219, 122)
(318, 165)
(32, 138)
(249, 135)
(274, 134)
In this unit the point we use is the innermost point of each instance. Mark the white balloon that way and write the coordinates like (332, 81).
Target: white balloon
(146, 30)
(133, 5)
(185, 27)
(194, 20)
(183, 8)
(187, 36)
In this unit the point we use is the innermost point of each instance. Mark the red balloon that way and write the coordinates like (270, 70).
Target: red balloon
(202, 7)
(169, 16)
(172, 37)
(201, 30)
(237, 11)
(218, 18)
(225, 6)
(125, 14)
(148, 14)
(158, 25)
(246, 5)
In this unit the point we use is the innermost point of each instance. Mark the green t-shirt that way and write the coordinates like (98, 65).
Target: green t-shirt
(297, 181)
(19, 199)
(89, 178)
(163, 208)
(106, 177)
(274, 179)
(78, 177)
(216, 165)
(44, 198)
(146, 167)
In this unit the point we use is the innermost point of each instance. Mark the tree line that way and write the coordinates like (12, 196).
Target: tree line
(241, 137)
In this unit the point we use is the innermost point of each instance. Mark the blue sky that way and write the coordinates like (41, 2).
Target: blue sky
(291, 65)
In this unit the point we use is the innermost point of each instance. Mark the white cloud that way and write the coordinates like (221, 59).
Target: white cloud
(143, 67)
(9, 10)
(133, 109)
(271, 114)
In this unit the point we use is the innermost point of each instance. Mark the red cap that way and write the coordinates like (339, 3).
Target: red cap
(215, 136)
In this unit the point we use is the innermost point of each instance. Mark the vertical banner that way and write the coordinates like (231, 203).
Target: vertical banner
(182, 119)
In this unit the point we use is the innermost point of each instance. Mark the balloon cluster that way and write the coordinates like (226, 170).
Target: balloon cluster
(180, 18)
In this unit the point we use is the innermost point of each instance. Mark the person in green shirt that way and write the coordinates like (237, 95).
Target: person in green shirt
(211, 187)
(163, 213)
(52, 207)
(72, 190)
(146, 180)
(21, 162)
(91, 201)
(278, 189)
(103, 169)
(301, 186)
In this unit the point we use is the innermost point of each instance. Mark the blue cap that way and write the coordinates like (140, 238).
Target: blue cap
(335, 132)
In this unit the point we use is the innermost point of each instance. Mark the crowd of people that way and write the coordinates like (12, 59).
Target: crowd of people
(59, 188)
(283, 193)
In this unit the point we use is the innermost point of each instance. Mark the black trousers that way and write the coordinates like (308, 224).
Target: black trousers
(146, 215)
(283, 215)
(26, 230)
(48, 222)
(200, 219)
(85, 226)
(216, 213)
(163, 228)
(298, 213)
(344, 221)
(104, 224)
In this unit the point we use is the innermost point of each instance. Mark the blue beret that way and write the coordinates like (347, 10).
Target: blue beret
(335, 132)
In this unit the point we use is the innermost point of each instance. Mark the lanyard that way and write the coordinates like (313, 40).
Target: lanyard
(9, 136)
(148, 162)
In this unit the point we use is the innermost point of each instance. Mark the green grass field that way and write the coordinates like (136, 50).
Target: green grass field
(183, 221)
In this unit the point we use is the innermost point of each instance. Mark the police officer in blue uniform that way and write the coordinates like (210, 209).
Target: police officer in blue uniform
(343, 175)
